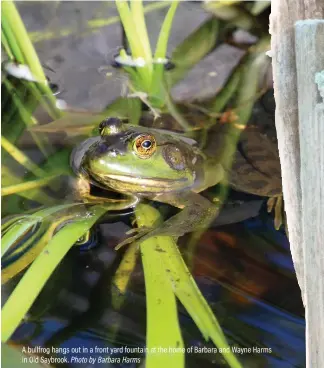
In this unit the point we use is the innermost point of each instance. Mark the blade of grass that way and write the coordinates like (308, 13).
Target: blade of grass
(223, 97)
(245, 97)
(14, 119)
(134, 110)
(41, 269)
(25, 112)
(137, 49)
(23, 252)
(25, 53)
(9, 38)
(122, 276)
(163, 328)
(248, 88)
(173, 110)
(160, 51)
(9, 178)
(137, 11)
(19, 226)
(162, 43)
(194, 48)
(5, 45)
(11, 15)
(20, 157)
(12, 189)
(191, 298)
(162, 259)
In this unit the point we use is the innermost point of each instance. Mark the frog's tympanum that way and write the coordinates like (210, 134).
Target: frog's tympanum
(142, 162)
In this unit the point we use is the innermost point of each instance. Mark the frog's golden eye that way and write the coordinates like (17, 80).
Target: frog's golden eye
(144, 145)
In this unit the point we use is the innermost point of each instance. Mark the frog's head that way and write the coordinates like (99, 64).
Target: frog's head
(134, 159)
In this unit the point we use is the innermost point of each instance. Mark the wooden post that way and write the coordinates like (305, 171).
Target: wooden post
(298, 54)
(309, 61)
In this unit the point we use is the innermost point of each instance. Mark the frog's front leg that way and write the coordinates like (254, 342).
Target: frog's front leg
(197, 214)
(82, 193)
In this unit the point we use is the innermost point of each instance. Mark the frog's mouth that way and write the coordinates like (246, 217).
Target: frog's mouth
(143, 180)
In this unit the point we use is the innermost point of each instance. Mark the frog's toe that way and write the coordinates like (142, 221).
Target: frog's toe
(138, 230)
(276, 204)
(141, 232)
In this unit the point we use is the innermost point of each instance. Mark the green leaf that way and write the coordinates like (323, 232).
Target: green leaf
(17, 226)
(24, 237)
(217, 104)
(165, 270)
(9, 178)
(135, 40)
(245, 97)
(160, 52)
(27, 185)
(137, 11)
(41, 269)
(194, 48)
(163, 328)
(20, 157)
(134, 110)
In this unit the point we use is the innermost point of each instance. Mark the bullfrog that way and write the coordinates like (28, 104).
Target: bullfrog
(147, 163)
(154, 164)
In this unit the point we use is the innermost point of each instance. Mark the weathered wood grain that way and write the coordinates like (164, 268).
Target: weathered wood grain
(282, 19)
(284, 14)
(309, 46)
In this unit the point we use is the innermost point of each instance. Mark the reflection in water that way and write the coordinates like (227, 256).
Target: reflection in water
(244, 270)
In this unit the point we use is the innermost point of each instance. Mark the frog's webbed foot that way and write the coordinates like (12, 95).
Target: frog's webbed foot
(276, 203)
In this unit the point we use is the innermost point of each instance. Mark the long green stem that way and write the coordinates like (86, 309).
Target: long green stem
(20, 157)
(24, 52)
(135, 43)
(11, 16)
(13, 189)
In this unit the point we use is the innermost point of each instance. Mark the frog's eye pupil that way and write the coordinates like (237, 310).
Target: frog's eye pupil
(146, 144)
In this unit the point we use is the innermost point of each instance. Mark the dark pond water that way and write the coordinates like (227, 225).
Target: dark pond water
(244, 270)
